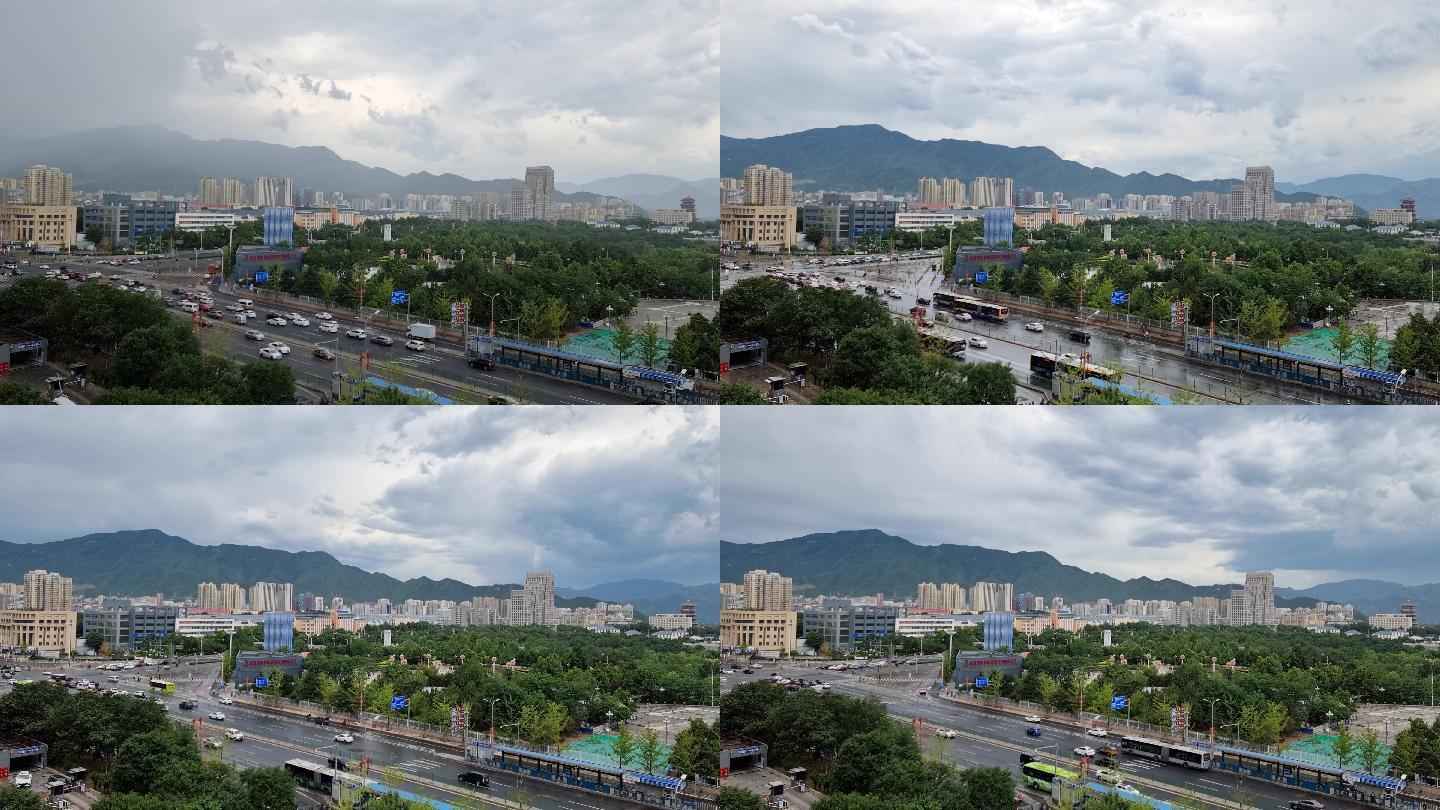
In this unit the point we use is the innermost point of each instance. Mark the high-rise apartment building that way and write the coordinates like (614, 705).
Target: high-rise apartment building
(272, 191)
(928, 191)
(48, 591)
(1255, 198)
(766, 590)
(988, 596)
(47, 185)
(534, 603)
(268, 597)
(1254, 603)
(535, 199)
(768, 186)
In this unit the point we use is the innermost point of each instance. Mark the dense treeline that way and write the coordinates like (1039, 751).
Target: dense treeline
(143, 760)
(575, 271)
(861, 758)
(141, 353)
(1283, 677)
(573, 677)
(1284, 271)
(867, 358)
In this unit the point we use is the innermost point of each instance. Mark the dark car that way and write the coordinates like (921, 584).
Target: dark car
(485, 363)
(214, 313)
(1080, 336)
(187, 705)
(323, 353)
(474, 778)
(322, 721)
(1033, 731)
(749, 672)
(1306, 804)
(1106, 762)
(383, 340)
(337, 764)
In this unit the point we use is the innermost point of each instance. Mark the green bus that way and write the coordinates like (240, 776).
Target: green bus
(1039, 775)
(163, 686)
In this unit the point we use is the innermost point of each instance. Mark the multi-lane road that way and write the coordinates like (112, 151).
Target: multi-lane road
(1145, 365)
(442, 368)
(271, 739)
(988, 737)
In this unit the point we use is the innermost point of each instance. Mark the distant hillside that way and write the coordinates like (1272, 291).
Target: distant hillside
(651, 191)
(151, 157)
(1371, 191)
(1371, 596)
(149, 561)
(651, 596)
(856, 563)
(856, 158)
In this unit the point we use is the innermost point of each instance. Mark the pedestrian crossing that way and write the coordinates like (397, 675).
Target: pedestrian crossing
(417, 360)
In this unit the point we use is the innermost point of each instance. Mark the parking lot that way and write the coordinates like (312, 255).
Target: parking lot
(758, 782)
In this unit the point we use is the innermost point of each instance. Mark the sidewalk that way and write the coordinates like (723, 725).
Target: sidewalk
(353, 723)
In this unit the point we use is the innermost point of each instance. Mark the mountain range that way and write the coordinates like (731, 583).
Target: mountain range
(651, 596)
(149, 561)
(141, 157)
(867, 156)
(651, 191)
(1371, 191)
(867, 561)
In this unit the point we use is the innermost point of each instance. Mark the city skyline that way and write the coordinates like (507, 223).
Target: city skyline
(592, 93)
(1200, 496)
(586, 493)
(1117, 84)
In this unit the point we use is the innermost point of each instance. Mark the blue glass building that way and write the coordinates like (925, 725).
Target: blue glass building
(279, 631)
(279, 225)
(999, 226)
(999, 630)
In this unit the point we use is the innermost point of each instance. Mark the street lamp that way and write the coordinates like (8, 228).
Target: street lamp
(492, 702)
(1212, 702)
(1212, 297)
(492, 298)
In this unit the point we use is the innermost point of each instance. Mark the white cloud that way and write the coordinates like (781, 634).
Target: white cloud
(595, 494)
(1314, 90)
(1201, 495)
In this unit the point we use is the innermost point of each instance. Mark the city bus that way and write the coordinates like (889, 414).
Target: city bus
(1047, 364)
(163, 686)
(969, 303)
(1172, 753)
(1038, 775)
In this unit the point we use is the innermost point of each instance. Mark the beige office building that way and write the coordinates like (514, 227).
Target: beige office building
(46, 631)
(763, 226)
(761, 630)
(40, 225)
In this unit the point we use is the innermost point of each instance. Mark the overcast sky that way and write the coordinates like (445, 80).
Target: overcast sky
(1198, 494)
(478, 494)
(480, 89)
(1314, 89)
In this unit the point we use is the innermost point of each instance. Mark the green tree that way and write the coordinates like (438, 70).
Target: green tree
(1371, 751)
(12, 798)
(650, 346)
(1342, 343)
(624, 747)
(696, 345)
(94, 639)
(651, 750)
(697, 750)
(989, 788)
(623, 341)
(1369, 345)
(736, 799)
(268, 788)
(737, 393)
(13, 392)
(267, 384)
(1344, 746)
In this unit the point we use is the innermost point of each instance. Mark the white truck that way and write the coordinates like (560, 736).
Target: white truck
(423, 331)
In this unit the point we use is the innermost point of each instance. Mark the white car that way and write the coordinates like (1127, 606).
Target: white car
(324, 316)
(22, 779)
(250, 313)
(225, 701)
(234, 734)
(344, 737)
(1034, 718)
(1034, 326)
(278, 346)
(1084, 751)
(217, 715)
(329, 326)
(1098, 732)
(299, 321)
(234, 308)
(292, 316)
(979, 343)
(254, 334)
(44, 267)
(277, 321)
(271, 354)
(947, 733)
(415, 345)
(965, 316)
(358, 333)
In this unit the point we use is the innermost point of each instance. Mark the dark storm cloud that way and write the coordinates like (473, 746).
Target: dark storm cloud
(482, 495)
(595, 91)
(1201, 494)
(1219, 86)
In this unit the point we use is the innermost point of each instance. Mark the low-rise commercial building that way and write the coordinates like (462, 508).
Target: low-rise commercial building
(762, 226)
(762, 631)
(1391, 621)
(47, 632)
(250, 665)
(672, 216)
(844, 627)
(672, 621)
(124, 627)
(42, 226)
(193, 221)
